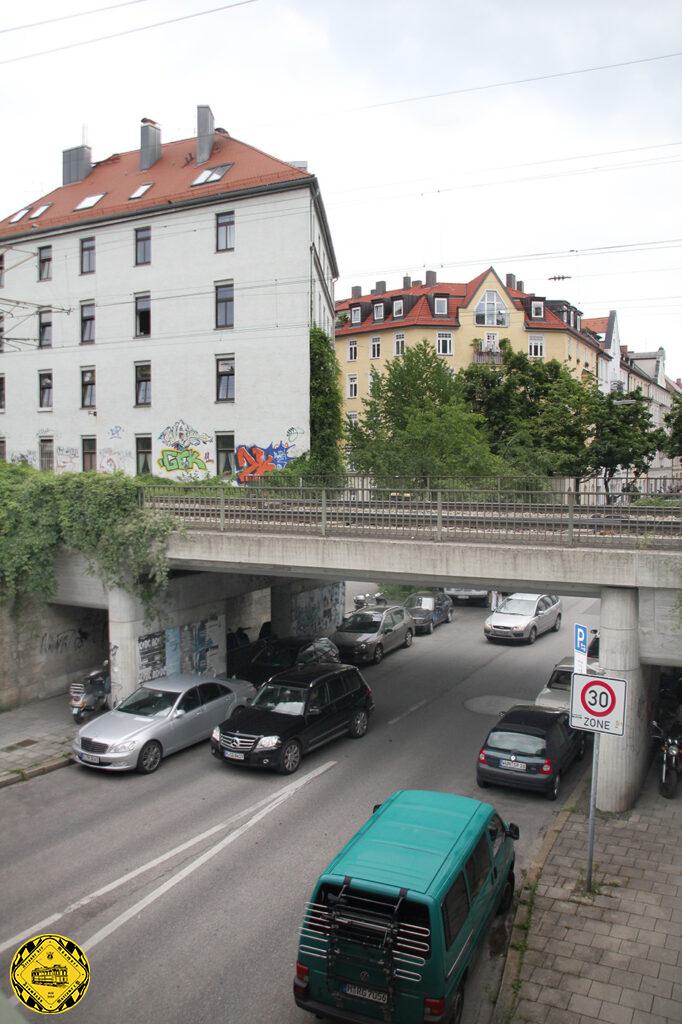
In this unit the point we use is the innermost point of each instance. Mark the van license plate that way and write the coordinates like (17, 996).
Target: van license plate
(90, 758)
(364, 993)
(518, 765)
(234, 755)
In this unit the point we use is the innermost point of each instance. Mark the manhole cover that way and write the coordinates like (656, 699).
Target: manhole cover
(490, 704)
(21, 743)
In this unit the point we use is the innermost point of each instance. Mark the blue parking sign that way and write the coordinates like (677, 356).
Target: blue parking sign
(580, 635)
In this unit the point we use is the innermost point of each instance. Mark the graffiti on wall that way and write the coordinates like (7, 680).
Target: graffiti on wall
(67, 460)
(254, 461)
(293, 434)
(320, 610)
(112, 460)
(69, 640)
(182, 449)
(115, 432)
(25, 458)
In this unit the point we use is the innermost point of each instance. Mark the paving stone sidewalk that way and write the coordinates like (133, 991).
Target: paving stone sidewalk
(35, 739)
(615, 956)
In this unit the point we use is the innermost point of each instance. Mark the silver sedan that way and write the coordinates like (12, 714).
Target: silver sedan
(524, 617)
(156, 720)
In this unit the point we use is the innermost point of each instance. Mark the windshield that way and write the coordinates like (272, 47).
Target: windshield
(560, 680)
(276, 655)
(361, 622)
(420, 601)
(517, 606)
(149, 703)
(284, 700)
(517, 743)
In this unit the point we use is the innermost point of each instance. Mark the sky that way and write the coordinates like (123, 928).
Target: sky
(430, 151)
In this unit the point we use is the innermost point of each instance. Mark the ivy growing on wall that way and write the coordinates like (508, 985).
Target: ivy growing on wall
(95, 514)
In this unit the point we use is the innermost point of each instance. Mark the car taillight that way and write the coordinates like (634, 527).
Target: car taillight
(433, 1007)
(547, 767)
(481, 756)
(302, 972)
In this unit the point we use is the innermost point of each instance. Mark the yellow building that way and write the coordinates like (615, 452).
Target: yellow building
(464, 322)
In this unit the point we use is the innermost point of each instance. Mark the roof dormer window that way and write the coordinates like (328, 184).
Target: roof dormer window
(537, 310)
(90, 201)
(378, 311)
(397, 308)
(440, 306)
(211, 174)
(18, 216)
(355, 315)
(39, 211)
(491, 310)
(140, 190)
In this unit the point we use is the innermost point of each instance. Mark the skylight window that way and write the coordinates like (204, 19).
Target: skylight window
(211, 174)
(18, 216)
(90, 201)
(140, 190)
(39, 211)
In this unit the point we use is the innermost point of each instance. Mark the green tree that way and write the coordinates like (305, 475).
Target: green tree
(673, 421)
(326, 407)
(624, 436)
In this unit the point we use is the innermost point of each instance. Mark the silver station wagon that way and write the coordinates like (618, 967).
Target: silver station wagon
(156, 720)
(524, 617)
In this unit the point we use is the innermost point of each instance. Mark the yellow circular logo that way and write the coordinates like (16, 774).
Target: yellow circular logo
(49, 974)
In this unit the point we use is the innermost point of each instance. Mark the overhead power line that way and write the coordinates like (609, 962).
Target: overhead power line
(70, 17)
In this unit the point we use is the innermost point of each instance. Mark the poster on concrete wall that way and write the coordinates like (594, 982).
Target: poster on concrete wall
(172, 651)
(200, 646)
(151, 656)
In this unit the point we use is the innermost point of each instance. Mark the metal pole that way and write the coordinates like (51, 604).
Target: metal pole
(571, 512)
(593, 810)
(323, 511)
(439, 514)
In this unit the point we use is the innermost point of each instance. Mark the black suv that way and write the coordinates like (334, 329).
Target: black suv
(294, 713)
(289, 652)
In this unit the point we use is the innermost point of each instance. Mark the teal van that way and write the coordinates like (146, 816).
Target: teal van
(395, 920)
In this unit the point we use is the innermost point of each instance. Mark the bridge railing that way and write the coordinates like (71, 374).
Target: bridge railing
(543, 517)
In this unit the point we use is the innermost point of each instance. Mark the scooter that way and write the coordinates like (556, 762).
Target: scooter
(670, 757)
(91, 693)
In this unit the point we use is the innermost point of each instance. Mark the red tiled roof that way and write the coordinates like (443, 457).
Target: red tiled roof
(598, 324)
(173, 173)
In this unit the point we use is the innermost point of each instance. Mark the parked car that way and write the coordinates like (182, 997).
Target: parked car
(473, 595)
(158, 719)
(556, 693)
(293, 714)
(529, 748)
(368, 634)
(524, 617)
(289, 652)
(429, 608)
(396, 919)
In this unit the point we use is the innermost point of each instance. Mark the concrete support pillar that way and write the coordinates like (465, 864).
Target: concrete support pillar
(306, 607)
(125, 615)
(623, 760)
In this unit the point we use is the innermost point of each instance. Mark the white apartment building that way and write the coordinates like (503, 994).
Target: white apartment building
(155, 310)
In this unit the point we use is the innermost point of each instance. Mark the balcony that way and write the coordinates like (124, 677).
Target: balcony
(488, 357)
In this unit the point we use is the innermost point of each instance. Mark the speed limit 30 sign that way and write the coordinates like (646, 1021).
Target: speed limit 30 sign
(598, 704)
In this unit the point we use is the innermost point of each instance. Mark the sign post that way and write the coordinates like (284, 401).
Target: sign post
(597, 706)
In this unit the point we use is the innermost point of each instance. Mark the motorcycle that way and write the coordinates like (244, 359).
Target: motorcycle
(670, 757)
(91, 693)
(362, 600)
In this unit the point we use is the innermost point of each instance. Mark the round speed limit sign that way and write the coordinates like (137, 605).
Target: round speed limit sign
(598, 704)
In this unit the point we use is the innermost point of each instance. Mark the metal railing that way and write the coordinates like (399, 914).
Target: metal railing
(444, 515)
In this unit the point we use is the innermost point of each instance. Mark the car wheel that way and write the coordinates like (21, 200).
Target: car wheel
(290, 758)
(533, 635)
(429, 628)
(378, 654)
(150, 758)
(553, 792)
(408, 639)
(79, 716)
(359, 724)
(507, 894)
(448, 617)
(557, 624)
(457, 1006)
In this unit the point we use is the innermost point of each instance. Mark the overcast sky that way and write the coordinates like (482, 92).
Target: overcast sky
(453, 183)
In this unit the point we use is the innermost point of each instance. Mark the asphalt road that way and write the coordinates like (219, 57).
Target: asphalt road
(203, 927)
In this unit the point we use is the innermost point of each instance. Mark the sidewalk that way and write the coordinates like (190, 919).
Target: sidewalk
(35, 739)
(615, 956)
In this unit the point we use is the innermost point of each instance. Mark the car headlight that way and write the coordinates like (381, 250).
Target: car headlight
(123, 748)
(518, 629)
(487, 627)
(673, 750)
(215, 735)
(361, 647)
(267, 743)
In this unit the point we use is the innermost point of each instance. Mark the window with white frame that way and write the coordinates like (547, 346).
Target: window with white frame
(399, 345)
(352, 417)
(376, 348)
(355, 315)
(444, 343)
(537, 310)
(440, 306)
(397, 307)
(352, 350)
(491, 310)
(536, 345)
(491, 342)
(378, 311)
(352, 385)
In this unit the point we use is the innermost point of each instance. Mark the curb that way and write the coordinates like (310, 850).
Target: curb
(506, 996)
(22, 774)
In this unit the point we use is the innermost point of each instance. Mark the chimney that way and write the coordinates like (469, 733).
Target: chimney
(356, 291)
(430, 277)
(380, 287)
(519, 286)
(407, 283)
(205, 131)
(416, 284)
(511, 280)
(76, 164)
(150, 143)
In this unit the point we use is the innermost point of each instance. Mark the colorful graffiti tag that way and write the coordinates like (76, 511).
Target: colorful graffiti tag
(253, 461)
(180, 453)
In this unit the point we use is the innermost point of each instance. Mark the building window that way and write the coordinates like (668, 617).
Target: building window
(143, 383)
(491, 311)
(143, 316)
(352, 350)
(87, 255)
(45, 263)
(3, 450)
(88, 396)
(440, 306)
(45, 389)
(224, 231)
(224, 370)
(224, 304)
(143, 246)
(378, 311)
(87, 323)
(536, 345)
(2, 393)
(352, 385)
(355, 315)
(211, 174)
(224, 450)
(399, 344)
(89, 454)
(45, 328)
(376, 348)
(444, 343)
(397, 307)
(490, 342)
(143, 454)
(537, 310)
(46, 453)
(352, 417)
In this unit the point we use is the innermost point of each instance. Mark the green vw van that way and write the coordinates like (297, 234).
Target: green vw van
(395, 920)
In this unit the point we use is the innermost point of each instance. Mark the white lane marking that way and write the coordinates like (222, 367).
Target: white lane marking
(203, 858)
(415, 707)
(40, 926)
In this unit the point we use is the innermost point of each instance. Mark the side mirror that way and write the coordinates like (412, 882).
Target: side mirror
(512, 830)
(179, 713)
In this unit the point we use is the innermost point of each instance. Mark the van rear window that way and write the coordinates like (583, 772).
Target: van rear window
(367, 918)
